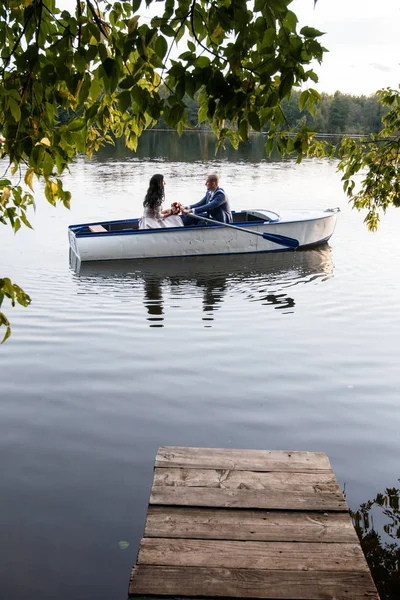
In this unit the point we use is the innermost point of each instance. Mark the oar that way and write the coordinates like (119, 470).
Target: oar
(271, 237)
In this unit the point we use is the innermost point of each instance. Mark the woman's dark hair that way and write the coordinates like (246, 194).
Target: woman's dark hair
(155, 194)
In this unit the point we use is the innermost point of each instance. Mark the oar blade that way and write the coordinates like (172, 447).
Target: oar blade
(282, 240)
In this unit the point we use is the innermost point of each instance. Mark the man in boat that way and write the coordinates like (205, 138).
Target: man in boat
(214, 205)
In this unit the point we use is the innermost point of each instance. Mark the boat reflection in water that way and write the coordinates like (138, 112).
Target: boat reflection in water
(168, 284)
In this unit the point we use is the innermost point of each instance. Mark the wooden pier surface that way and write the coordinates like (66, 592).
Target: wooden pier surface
(248, 524)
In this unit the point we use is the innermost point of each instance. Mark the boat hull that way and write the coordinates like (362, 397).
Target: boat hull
(308, 227)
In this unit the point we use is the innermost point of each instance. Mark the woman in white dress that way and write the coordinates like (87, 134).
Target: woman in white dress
(153, 216)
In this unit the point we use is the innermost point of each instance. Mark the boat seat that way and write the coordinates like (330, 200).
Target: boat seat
(97, 229)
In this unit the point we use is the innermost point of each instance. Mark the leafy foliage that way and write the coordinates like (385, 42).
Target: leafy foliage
(15, 294)
(103, 65)
(378, 159)
(383, 557)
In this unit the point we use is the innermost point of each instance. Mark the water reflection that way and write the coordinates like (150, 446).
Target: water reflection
(191, 147)
(167, 284)
(377, 523)
(153, 301)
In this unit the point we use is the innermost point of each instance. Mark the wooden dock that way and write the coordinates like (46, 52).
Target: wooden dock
(248, 524)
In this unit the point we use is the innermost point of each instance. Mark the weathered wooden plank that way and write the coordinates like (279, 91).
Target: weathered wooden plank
(246, 480)
(267, 499)
(208, 523)
(243, 460)
(273, 556)
(177, 597)
(251, 583)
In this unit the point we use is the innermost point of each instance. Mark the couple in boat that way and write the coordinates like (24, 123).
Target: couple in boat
(214, 205)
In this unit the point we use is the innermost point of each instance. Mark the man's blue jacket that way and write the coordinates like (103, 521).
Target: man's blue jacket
(217, 208)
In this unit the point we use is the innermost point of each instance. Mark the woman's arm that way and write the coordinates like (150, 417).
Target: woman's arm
(167, 212)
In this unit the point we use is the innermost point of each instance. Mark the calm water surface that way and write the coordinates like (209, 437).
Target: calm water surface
(293, 351)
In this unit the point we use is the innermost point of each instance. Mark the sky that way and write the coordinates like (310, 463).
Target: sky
(362, 37)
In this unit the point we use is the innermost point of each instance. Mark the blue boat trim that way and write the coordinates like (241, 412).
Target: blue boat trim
(78, 234)
(117, 222)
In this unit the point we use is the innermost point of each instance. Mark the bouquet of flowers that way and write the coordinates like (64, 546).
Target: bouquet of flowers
(176, 208)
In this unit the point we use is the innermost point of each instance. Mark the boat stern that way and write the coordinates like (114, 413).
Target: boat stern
(72, 241)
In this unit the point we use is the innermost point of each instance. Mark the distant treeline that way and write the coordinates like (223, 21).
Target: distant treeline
(336, 114)
(340, 113)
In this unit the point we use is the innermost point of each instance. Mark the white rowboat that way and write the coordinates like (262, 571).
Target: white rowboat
(256, 230)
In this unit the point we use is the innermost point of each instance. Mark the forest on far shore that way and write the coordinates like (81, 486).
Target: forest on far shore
(336, 114)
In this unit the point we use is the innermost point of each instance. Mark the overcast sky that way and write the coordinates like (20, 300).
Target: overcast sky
(362, 36)
(363, 39)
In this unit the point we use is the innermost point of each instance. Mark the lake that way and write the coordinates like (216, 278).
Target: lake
(287, 351)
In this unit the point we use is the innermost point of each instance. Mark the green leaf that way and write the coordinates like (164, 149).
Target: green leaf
(310, 32)
(286, 85)
(290, 21)
(25, 221)
(272, 66)
(96, 89)
(156, 61)
(124, 100)
(202, 62)
(154, 110)
(243, 130)
(254, 121)
(84, 90)
(173, 115)
(161, 46)
(49, 74)
(202, 114)
(8, 328)
(92, 111)
(127, 83)
(268, 38)
(111, 70)
(131, 141)
(312, 76)
(139, 96)
(11, 93)
(132, 24)
(167, 30)
(190, 85)
(303, 99)
(76, 124)
(51, 192)
(15, 110)
(199, 27)
(29, 176)
(48, 164)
